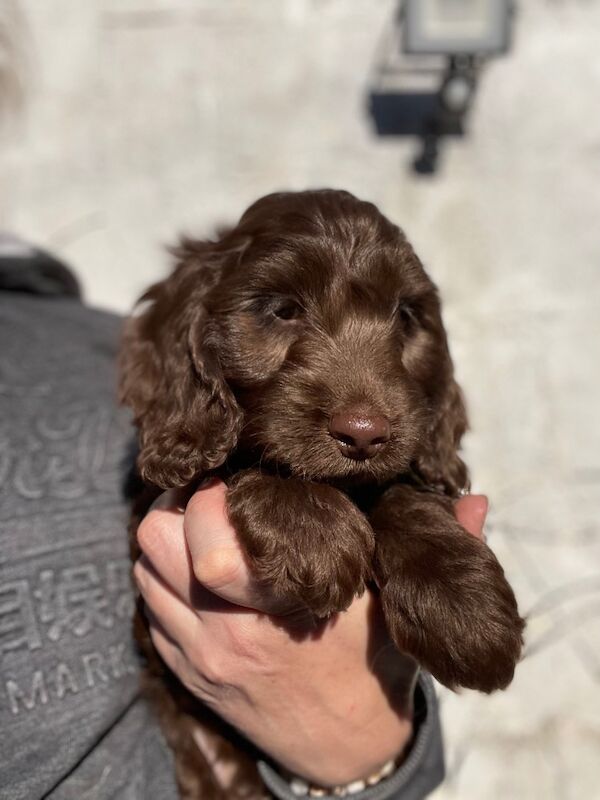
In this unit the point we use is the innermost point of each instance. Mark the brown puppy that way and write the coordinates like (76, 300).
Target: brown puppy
(303, 356)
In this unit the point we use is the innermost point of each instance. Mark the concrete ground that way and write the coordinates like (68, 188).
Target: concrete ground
(126, 121)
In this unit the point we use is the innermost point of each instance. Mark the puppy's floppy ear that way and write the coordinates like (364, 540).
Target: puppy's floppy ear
(170, 374)
(439, 464)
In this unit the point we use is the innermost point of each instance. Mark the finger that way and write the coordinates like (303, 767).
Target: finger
(216, 554)
(167, 648)
(162, 540)
(175, 616)
(471, 512)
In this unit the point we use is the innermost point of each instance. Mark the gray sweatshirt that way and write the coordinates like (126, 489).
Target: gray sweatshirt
(72, 723)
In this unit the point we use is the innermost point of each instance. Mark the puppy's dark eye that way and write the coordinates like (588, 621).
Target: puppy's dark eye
(286, 310)
(408, 315)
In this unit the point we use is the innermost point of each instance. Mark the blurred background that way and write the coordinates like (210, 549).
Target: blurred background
(125, 122)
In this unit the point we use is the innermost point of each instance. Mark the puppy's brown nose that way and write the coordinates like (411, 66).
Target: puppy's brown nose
(359, 435)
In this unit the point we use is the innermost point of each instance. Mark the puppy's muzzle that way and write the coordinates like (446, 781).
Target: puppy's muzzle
(360, 435)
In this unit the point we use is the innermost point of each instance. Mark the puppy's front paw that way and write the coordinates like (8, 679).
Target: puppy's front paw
(454, 611)
(307, 542)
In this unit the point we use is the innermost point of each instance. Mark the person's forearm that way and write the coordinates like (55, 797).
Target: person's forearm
(349, 735)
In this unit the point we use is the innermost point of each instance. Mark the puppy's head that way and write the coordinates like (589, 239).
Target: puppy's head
(308, 335)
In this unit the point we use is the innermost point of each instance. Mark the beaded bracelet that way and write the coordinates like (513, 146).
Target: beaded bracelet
(302, 788)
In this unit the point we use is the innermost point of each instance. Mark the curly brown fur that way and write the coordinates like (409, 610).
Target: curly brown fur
(306, 567)
(315, 309)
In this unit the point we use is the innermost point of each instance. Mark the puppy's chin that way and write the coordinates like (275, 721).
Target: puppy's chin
(333, 467)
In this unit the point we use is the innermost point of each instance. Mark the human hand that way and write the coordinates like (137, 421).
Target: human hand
(331, 702)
